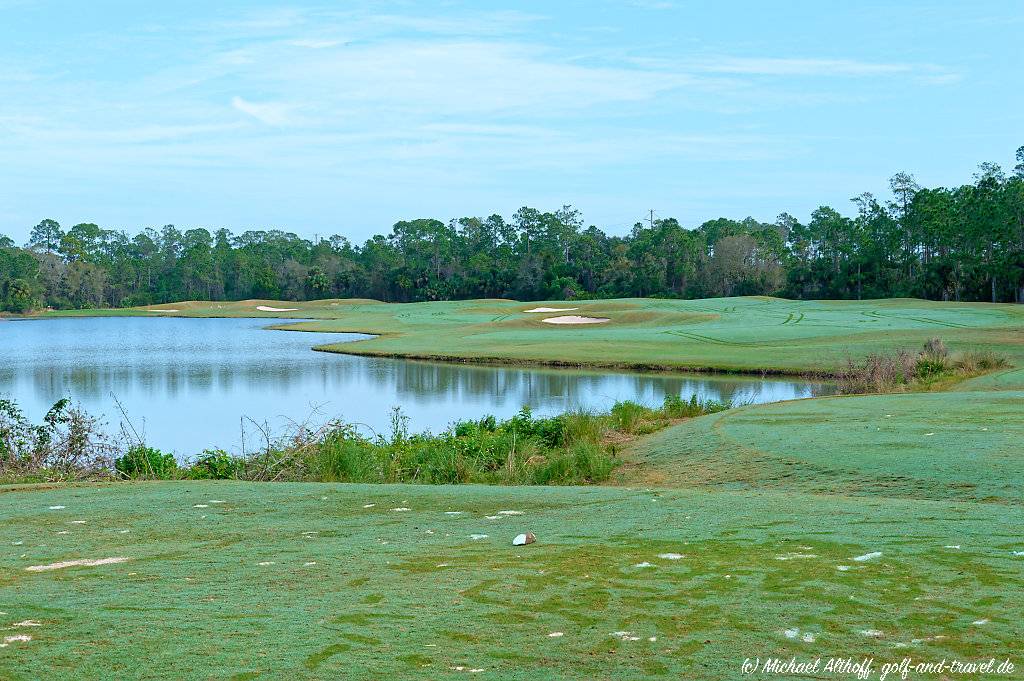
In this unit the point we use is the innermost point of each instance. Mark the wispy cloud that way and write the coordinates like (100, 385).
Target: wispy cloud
(453, 77)
(271, 113)
(653, 4)
(771, 66)
(313, 44)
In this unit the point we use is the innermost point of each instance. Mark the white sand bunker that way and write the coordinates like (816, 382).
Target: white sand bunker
(167, 310)
(267, 308)
(551, 309)
(575, 319)
(77, 563)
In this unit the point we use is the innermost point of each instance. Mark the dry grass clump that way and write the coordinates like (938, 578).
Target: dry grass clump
(901, 370)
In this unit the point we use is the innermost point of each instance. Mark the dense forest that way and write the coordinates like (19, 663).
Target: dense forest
(960, 243)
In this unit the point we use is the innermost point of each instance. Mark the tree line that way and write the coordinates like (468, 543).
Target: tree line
(962, 243)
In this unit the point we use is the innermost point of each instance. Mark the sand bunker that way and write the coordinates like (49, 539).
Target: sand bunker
(575, 319)
(163, 310)
(551, 309)
(267, 308)
(76, 563)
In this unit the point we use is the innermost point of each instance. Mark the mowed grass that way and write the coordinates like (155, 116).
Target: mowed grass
(731, 334)
(233, 580)
(963, 446)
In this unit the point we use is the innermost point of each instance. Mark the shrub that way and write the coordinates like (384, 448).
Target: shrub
(935, 349)
(933, 360)
(676, 408)
(215, 464)
(980, 360)
(895, 371)
(146, 462)
(930, 366)
(525, 426)
(627, 416)
(573, 448)
(878, 373)
(582, 426)
(67, 445)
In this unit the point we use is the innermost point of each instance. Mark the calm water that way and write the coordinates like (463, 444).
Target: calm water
(190, 382)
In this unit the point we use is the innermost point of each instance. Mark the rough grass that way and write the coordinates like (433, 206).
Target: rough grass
(931, 368)
(403, 594)
(577, 447)
(729, 334)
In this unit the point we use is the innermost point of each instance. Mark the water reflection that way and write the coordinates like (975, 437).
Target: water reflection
(189, 382)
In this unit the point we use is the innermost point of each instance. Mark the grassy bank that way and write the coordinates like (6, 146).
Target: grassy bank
(751, 334)
(573, 448)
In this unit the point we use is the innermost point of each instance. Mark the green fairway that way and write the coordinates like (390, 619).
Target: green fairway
(738, 334)
(242, 580)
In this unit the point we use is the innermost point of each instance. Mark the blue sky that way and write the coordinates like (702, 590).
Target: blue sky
(345, 117)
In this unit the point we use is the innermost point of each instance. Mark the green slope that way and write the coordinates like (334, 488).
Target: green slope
(956, 446)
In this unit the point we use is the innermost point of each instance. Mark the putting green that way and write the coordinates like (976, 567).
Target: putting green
(308, 581)
(741, 334)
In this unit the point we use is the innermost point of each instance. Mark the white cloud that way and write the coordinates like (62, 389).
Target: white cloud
(653, 4)
(773, 66)
(34, 130)
(271, 113)
(420, 78)
(313, 44)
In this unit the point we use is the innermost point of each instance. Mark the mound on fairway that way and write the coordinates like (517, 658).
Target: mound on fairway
(304, 581)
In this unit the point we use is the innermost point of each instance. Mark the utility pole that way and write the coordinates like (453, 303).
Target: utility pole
(651, 218)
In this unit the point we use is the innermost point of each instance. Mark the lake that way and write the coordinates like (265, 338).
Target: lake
(193, 384)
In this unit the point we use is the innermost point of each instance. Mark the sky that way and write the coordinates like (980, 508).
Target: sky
(345, 117)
